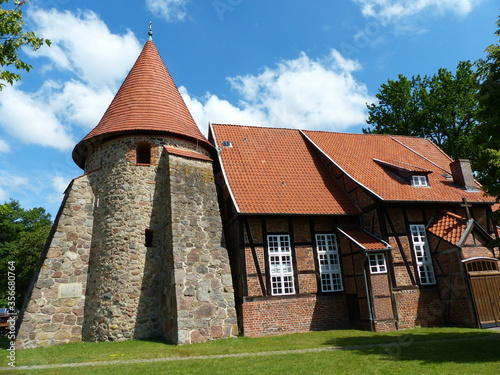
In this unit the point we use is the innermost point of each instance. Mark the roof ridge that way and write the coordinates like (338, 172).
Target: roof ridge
(255, 126)
(325, 154)
(454, 215)
(419, 154)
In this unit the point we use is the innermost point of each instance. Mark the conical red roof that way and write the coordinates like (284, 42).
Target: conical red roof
(148, 101)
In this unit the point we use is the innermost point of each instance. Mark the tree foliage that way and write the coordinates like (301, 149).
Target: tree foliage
(488, 134)
(23, 234)
(442, 108)
(12, 37)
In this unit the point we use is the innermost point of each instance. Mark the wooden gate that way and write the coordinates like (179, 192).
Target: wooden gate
(485, 283)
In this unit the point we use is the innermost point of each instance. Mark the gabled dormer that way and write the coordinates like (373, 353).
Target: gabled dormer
(407, 173)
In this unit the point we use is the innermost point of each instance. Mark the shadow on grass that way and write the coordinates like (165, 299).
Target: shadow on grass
(4, 342)
(432, 347)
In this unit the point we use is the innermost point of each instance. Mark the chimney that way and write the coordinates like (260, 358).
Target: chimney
(462, 174)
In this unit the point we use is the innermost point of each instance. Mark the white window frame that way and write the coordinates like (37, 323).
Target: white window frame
(280, 264)
(377, 263)
(422, 254)
(418, 180)
(330, 272)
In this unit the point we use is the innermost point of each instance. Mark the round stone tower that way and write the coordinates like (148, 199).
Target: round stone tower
(154, 264)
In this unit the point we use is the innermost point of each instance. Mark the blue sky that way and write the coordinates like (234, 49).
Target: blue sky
(283, 63)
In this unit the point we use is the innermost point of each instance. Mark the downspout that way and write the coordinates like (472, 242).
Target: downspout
(368, 295)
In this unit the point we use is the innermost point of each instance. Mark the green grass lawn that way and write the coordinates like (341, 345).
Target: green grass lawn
(452, 351)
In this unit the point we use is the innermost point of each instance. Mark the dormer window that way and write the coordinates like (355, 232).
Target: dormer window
(409, 174)
(418, 180)
(143, 153)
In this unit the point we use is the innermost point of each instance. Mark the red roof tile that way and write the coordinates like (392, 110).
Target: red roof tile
(148, 101)
(403, 166)
(364, 239)
(449, 227)
(187, 153)
(277, 171)
(355, 154)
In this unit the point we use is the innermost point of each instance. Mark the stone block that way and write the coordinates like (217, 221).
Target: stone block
(197, 336)
(70, 290)
(49, 310)
(216, 332)
(62, 335)
(205, 311)
(70, 320)
(51, 327)
(54, 252)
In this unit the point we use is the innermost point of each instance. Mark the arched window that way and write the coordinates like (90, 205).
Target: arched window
(481, 264)
(143, 153)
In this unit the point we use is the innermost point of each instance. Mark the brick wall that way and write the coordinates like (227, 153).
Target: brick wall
(285, 315)
(419, 308)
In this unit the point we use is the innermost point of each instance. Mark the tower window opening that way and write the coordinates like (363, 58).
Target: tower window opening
(149, 238)
(143, 153)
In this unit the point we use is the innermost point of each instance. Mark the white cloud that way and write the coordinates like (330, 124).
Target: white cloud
(60, 184)
(300, 93)
(10, 184)
(78, 103)
(4, 146)
(83, 45)
(388, 11)
(30, 119)
(96, 62)
(170, 10)
(211, 108)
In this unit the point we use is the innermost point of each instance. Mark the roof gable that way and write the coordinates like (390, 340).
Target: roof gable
(274, 170)
(456, 229)
(449, 226)
(368, 159)
(363, 239)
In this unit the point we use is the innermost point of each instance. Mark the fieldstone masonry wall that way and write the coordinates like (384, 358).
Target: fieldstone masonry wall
(55, 307)
(101, 281)
(125, 276)
(203, 282)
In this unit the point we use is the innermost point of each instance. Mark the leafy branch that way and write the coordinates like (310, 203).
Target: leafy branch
(12, 37)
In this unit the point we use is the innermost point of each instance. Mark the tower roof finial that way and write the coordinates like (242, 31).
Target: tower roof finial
(150, 33)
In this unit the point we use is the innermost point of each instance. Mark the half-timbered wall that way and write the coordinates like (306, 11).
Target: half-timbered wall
(447, 301)
(454, 303)
(308, 308)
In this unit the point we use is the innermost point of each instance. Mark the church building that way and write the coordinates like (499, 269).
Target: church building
(256, 231)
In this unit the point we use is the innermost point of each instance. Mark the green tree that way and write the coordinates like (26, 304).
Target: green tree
(488, 165)
(23, 234)
(442, 108)
(12, 37)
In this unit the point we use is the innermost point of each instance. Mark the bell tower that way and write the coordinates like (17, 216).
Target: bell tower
(136, 251)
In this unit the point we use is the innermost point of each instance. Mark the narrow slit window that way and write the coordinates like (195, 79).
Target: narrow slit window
(149, 238)
(422, 255)
(143, 153)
